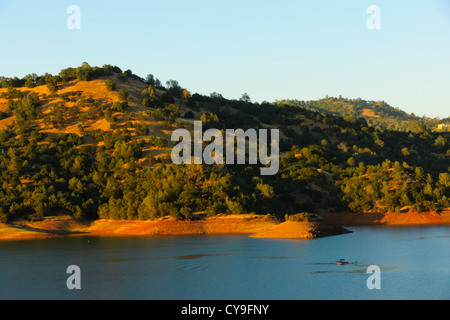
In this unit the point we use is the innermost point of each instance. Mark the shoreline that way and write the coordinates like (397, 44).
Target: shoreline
(255, 226)
(388, 219)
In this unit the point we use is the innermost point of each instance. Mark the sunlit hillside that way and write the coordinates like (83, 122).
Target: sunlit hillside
(95, 143)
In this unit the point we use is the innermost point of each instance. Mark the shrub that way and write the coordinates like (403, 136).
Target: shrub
(299, 217)
(123, 95)
(110, 85)
(120, 106)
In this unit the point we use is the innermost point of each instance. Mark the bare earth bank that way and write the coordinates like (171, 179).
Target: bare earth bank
(254, 225)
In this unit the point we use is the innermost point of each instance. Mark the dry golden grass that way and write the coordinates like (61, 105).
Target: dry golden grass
(95, 89)
(369, 113)
(289, 230)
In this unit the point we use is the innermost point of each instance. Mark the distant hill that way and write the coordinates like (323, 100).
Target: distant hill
(95, 142)
(378, 114)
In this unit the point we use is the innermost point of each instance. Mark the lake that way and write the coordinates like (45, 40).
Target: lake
(414, 264)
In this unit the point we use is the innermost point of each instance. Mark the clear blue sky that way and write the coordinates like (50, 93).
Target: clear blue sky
(269, 49)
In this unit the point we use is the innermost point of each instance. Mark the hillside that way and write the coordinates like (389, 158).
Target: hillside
(378, 114)
(94, 142)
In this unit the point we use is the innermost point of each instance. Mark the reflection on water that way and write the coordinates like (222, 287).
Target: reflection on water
(274, 258)
(340, 271)
(413, 261)
(114, 260)
(436, 237)
(351, 268)
(200, 255)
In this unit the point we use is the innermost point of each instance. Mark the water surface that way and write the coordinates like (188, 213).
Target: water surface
(414, 263)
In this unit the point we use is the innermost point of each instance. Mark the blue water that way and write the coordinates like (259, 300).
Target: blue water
(414, 264)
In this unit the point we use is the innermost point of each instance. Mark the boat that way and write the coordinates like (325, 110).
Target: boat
(342, 262)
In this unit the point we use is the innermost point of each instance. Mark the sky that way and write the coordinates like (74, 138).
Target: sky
(285, 49)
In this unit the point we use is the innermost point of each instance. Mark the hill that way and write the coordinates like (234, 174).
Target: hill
(94, 142)
(378, 114)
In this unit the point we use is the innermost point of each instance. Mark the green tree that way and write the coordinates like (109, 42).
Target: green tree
(110, 85)
(122, 95)
(245, 98)
(150, 99)
(440, 142)
(444, 179)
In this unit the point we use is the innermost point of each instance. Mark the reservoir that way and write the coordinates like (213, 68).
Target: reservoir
(414, 263)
